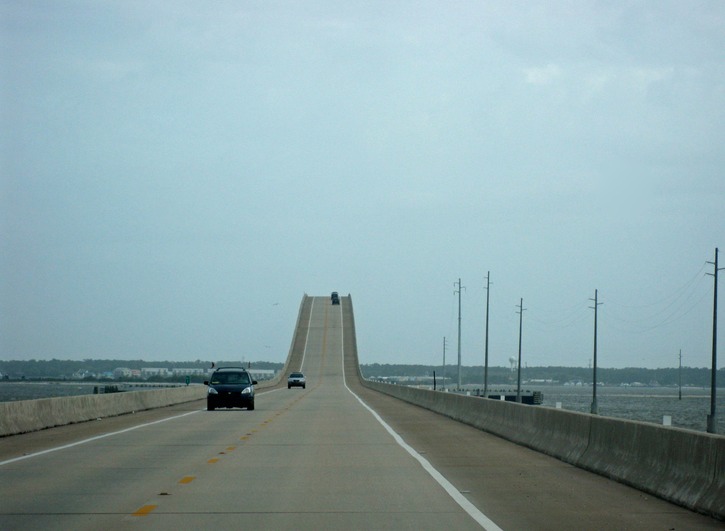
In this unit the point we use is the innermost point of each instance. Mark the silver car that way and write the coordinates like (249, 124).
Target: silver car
(296, 379)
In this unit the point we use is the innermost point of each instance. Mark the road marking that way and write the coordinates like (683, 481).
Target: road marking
(143, 511)
(461, 500)
(213, 460)
(187, 479)
(307, 336)
(324, 345)
(84, 441)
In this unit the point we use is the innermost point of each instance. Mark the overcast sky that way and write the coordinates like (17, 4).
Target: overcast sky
(176, 175)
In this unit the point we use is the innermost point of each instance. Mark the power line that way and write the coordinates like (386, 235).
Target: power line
(572, 315)
(675, 294)
(634, 326)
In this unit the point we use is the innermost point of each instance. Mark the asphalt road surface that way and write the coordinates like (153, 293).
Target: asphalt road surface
(319, 458)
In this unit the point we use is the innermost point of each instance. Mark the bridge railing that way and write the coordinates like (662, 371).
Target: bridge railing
(682, 466)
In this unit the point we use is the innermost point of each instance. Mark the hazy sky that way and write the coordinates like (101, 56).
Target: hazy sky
(176, 175)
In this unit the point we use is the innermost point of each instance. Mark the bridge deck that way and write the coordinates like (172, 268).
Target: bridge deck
(304, 459)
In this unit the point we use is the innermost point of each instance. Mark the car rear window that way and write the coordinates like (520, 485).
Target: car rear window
(230, 378)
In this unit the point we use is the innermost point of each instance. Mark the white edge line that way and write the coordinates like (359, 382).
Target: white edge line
(307, 336)
(461, 500)
(84, 441)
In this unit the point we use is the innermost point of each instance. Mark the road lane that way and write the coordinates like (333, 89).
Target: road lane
(304, 459)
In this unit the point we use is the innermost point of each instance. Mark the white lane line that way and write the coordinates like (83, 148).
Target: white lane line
(482, 520)
(309, 323)
(84, 441)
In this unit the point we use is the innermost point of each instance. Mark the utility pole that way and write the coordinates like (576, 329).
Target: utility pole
(458, 291)
(712, 417)
(518, 375)
(595, 407)
(485, 360)
(444, 363)
(679, 375)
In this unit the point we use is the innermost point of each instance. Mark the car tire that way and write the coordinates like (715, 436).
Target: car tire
(250, 407)
(289, 387)
(210, 408)
(303, 387)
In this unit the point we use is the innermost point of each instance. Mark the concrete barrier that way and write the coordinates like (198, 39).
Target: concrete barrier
(561, 434)
(682, 466)
(30, 415)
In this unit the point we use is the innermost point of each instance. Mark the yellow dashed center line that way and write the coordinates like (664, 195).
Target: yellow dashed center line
(146, 509)
(324, 345)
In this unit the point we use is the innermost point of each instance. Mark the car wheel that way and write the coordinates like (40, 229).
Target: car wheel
(209, 408)
(303, 387)
(250, 407)
(289, 387)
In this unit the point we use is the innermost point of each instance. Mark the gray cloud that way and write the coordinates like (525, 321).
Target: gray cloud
(169, 170)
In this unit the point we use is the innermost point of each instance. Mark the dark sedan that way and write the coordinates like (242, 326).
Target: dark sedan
(230, 387)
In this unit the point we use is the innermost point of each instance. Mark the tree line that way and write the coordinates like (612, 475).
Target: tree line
(470, 375)
(66, 369)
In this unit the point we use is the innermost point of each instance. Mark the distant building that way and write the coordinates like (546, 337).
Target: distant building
(148, 372)
(122, 372)
(189, 372)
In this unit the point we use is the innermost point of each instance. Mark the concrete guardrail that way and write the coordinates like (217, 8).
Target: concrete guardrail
(23, 416)
(682, 466)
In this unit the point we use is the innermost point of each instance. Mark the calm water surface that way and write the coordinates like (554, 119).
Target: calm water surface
(10, 391)
(648, 404)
